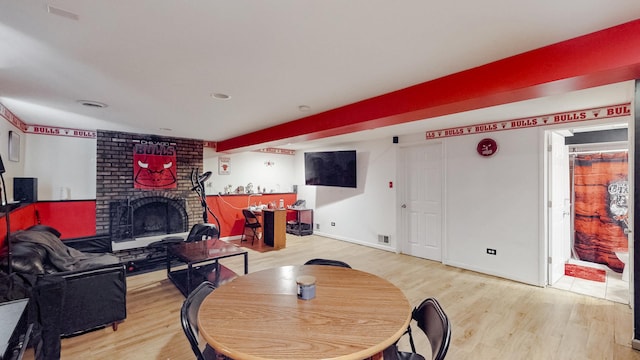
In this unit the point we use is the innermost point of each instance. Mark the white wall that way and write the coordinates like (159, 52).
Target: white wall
(271, 171)
(65, 166)
(488, 202)
(495, 202)
(359, 214)
(12, 168)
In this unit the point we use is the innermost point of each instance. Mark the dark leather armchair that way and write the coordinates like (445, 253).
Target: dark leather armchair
(93, 298)
(74, 302)
(65, 303)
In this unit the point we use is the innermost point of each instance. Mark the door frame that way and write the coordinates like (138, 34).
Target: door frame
(553, 249)
(401, 244)
(545, 224)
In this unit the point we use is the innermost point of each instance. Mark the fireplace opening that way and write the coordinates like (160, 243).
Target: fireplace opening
(150, 216)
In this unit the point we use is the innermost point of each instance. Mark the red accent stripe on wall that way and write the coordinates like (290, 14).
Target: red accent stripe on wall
(604, 57)
(20, 218)
(74, 219)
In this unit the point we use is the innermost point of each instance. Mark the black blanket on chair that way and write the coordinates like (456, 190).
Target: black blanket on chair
(60, 256)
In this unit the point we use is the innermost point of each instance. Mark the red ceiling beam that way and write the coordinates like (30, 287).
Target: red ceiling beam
(604, 57)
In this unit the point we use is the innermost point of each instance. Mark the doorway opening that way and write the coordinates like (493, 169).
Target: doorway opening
(588, 192)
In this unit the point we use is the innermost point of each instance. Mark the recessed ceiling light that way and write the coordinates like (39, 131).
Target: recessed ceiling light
(91, 103)
(304, 108)
(220, 96)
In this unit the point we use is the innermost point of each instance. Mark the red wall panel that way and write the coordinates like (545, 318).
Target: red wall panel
(73, 219)
(228, 209)
(20, 218)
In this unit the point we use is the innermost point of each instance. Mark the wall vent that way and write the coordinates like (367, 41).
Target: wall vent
(383, 239)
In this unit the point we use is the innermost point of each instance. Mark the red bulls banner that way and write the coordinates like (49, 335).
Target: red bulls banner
(154, 165)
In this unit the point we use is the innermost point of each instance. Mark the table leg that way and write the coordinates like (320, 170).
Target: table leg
(188, 285)
(217, 282)
(246, 263)
(168, 258)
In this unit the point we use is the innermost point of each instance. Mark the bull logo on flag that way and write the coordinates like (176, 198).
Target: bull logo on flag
(154, 165)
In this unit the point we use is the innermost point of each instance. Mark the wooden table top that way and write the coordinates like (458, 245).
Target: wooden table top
(354, 315)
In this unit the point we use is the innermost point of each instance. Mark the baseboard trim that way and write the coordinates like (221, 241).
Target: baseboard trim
(635, 344)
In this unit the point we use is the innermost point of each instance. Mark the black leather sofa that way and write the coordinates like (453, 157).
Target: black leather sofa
(92, 294)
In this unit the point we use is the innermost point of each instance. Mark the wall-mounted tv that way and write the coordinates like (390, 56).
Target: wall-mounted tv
(330, 168)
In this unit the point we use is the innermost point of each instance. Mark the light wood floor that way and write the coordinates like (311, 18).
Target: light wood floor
(492, 318)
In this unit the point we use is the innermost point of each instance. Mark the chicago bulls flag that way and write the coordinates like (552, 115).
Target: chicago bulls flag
(154, 165)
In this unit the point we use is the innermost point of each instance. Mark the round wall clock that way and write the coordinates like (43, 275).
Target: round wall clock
(487, 147)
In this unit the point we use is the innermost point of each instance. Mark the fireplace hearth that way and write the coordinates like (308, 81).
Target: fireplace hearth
(147, 216)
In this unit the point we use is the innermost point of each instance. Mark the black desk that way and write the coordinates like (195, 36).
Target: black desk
(14, 332)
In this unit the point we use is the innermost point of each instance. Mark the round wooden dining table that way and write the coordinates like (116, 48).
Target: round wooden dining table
(354, 315)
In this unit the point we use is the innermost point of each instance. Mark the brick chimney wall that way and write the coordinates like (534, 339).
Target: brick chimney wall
(114, 180)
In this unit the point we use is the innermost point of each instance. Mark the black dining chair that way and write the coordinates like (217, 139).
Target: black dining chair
(250, 222)
(435, 324)
(329, 262)
(201, 232)
(189, 319)
(198, 232)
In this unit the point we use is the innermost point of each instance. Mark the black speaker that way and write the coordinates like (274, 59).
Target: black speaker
(25, 189)
(395, 139)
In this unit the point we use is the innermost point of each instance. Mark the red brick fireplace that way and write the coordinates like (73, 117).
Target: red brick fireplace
(123, 211)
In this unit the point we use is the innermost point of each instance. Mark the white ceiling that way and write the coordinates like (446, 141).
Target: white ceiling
(155, 63)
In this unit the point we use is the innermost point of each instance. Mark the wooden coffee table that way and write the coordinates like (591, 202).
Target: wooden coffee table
(354, 315)
(202, 260)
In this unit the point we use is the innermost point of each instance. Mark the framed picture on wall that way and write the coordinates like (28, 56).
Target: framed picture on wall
(223, 165)
(14, 146)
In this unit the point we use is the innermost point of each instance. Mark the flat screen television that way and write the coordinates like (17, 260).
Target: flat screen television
(330, 168)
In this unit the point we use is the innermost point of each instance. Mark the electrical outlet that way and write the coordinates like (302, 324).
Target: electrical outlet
(333, 224)
(317, 226)
(491, 251)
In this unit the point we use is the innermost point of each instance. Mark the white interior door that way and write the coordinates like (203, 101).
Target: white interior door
(421, 213)
(560, 207)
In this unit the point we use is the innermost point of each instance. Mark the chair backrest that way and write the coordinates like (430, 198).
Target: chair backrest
(328, 262)
(435, 324)
(202, 232)
(249, 217)
(189, 315)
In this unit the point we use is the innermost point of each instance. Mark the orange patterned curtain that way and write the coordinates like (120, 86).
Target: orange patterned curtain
(601, 198)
